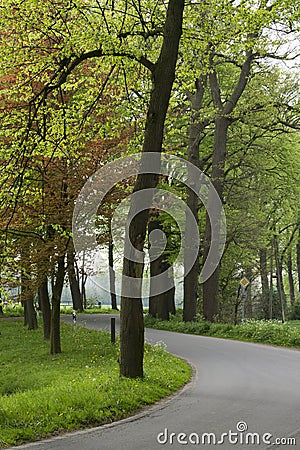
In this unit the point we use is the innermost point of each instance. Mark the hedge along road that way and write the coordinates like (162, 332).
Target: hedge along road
(243, 395)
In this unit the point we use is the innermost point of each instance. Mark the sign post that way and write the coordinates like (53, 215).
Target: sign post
(244, 283)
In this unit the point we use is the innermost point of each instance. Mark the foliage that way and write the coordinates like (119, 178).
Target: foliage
(294, 312)
(13, 311)
(263, 331)
(81, 387)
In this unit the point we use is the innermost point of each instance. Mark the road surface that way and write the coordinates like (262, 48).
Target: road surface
(243, 396)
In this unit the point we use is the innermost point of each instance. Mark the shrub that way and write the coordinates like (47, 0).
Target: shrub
(294, 313)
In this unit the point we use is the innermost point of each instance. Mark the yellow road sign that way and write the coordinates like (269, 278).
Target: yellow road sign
(244, 282)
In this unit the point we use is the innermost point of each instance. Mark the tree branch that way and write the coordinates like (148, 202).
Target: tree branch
(241, 84)
(214, 87)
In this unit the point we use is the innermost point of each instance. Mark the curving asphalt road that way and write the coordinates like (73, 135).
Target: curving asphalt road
(236, 385)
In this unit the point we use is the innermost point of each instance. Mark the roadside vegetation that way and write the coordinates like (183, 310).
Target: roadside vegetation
(43, 394)
(272, 332)
(16, 310)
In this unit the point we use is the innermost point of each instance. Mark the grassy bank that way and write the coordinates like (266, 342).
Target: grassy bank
(266, 332)
(43, 394)
(17, 310)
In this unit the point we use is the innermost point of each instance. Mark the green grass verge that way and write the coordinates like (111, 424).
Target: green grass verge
(18, 311)
(43, 394)
(261, 331)
(102, 310)
(294, 323)
(12, 311)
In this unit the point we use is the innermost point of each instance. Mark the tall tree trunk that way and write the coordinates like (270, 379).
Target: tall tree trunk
(271, 287)
(211, 286)
(279, 278)
(222, 121)
(264, 281)
(237, 304)
(83, 281)
(191, 281)
(45, 307)
(112, 276)
(298, 261)
(55, 312)
(74, 282)
(248, 306)
(163, 74)
(291, 278)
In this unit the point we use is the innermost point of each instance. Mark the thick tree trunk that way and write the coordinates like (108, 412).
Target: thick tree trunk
(74, 282)
(291, 278)
(163, 74)
(55, 312)
(211, 286)
(191, 280)
(45, 307)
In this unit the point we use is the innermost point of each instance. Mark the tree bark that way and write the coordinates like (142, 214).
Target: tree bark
(31, 313)
(171, 293)
(264, 282)
(45, 307)
(163, 74)
(25, 313)
(112, 276)
(74, 282)
(279, 278)
(83, 279)
(158, 302)
(298, 262)
(248, 305)
(211, 286)
(237, 304)
(30, 317)
(191, 281)
(271, 287)
(291, 278)
(55, 312)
